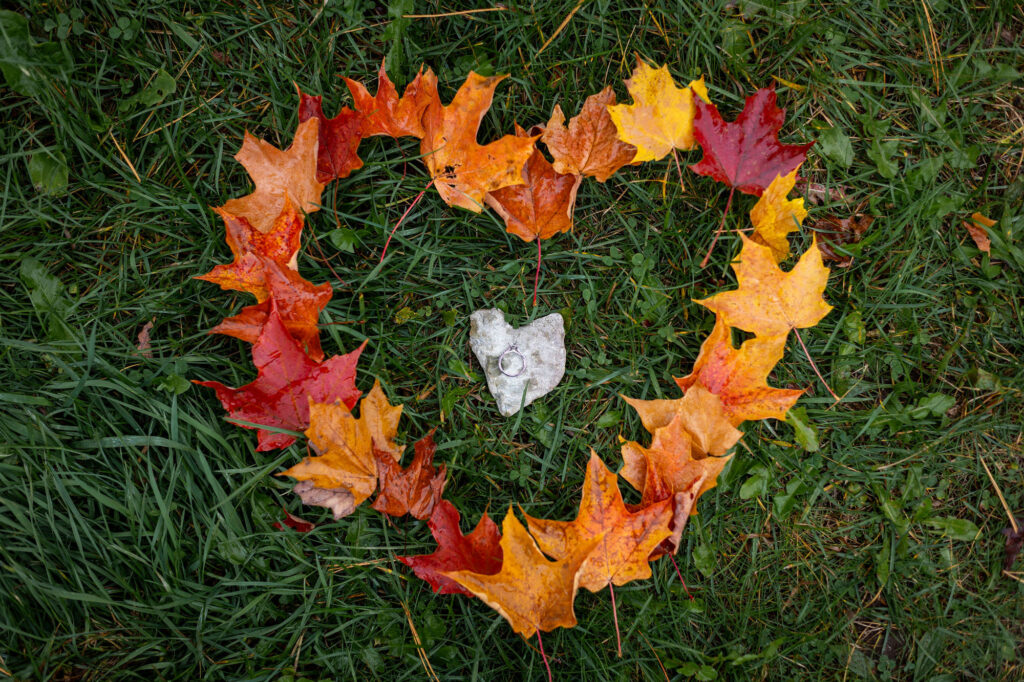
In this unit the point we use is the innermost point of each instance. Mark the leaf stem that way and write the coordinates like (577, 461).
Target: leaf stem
(721, 225)
(536, 276)
(395, 229)
(543, 655)
(675, 155)
(673, 558)
(615, 617)
(814, 366)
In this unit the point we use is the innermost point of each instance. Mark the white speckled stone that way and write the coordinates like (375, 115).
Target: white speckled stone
(542, 344)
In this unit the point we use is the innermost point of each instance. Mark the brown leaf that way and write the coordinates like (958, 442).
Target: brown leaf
(462, 170)
(1014, 544)
(834, 232)
(976, 227)
(144, 345)
(542, 206)
(590, 145)
(414, 490)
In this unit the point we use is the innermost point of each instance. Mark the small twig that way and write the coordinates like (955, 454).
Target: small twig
(124, 156)
(543, 655)
(395, 229)
(721, 225)
(499, 8)
(561, 27)
(615, 617)
(814, 366)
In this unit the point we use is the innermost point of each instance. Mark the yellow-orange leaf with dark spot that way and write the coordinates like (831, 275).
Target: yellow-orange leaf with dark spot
(628, 538)
(462, 170)
(590, 145)
(770, 302)
(739, 377)
(530, 592)
(278, 174)
(542, 206)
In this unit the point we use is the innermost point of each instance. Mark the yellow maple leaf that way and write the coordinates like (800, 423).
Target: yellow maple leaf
(774, 216)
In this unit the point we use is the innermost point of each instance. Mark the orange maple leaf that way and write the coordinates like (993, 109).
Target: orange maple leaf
(590, 145)
(344, 472)
(530, 592)
(414, 490)
(770, 302)
(627, 538)
(279, 174)
(462, 170)
(388, 114)
(739, 377)
(542, 206)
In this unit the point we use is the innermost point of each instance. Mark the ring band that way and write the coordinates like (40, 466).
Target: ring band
(507, 371)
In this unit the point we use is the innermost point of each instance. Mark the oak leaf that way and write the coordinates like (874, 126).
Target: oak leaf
(774, 216)
(661, 117)
(530, 592)
(590, 145)
(479, 552)
(542, 206)
(770, 302)
(739, 377)
(388, 114)
(746, 154)
(287, 379)
(279, 176)
(338, 138)
(462, 170)
(344, 471)
(414, 490)
(627, 538)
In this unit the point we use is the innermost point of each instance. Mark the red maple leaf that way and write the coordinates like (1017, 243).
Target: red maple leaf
(480, 551)
(746, 154)
(339, 138)
(287, 378)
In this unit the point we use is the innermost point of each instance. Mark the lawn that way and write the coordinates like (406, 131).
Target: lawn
(138, 525)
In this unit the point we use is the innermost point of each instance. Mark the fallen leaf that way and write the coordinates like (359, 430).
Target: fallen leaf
(294, 522)
(770, 302)
(745, 154)
(661, 117)
(976, 227)
(298, 301)
(386, 113)
(414, 490)
(590, 145)
(479, 552)
(627, 538)
(1014, 544)
(287, 379)
(542, 206)
(462, 170)
(530, 592)
(701, 413)
(774, 216)
(345, 470)
(739, 377)
(279, 174)
(840, 232)
(338, 138)
(251, 248)
(143, 346)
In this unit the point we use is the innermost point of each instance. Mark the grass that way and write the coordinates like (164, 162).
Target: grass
(138, 538)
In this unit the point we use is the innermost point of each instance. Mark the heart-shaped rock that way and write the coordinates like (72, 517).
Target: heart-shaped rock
(532, 357)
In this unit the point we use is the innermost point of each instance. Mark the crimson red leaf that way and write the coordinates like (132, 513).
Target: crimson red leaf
(294, 522)
(287, 378)
(480, 551)
(339, 138)
(745, 154)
